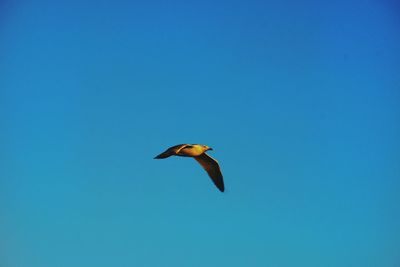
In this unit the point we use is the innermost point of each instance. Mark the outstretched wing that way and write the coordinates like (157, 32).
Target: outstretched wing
(171, 151)
(212, 168)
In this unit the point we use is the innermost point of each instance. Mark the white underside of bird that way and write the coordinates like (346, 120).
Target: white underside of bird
(198, 152)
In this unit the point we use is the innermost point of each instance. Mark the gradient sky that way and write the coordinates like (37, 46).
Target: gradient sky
(299, 99)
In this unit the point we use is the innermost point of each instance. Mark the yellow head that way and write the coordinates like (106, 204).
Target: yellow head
(206, 148)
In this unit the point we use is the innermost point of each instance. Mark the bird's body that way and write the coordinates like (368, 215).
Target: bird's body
(198, 152)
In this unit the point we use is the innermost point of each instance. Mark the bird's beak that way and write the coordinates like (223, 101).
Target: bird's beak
(210, 148)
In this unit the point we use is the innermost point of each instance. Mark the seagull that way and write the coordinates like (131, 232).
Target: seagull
(198, 152)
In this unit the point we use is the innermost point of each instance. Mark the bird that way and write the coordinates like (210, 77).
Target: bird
(198, 152)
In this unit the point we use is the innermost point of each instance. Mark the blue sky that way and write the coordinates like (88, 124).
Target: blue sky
(299, 100)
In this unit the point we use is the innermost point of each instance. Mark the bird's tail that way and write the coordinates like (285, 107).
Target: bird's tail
(163, 155)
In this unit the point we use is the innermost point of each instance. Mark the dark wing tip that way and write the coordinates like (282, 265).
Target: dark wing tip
(218, 181)
(222, 189)
(163, 155)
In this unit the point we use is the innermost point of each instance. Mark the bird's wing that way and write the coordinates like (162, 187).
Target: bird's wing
(175, 149)
(178, 148)
(213, 170)
(171, 151)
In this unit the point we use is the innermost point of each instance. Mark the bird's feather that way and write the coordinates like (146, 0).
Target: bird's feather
(171, 151)
(212, 168)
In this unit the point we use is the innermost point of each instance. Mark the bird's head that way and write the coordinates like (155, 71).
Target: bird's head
(206, 148)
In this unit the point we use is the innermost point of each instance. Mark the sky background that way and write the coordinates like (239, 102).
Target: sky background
(299, 99)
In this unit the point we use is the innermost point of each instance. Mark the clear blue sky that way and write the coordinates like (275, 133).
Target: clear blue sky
(299, 99)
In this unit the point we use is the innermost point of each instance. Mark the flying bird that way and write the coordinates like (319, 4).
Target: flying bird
(198, 152)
